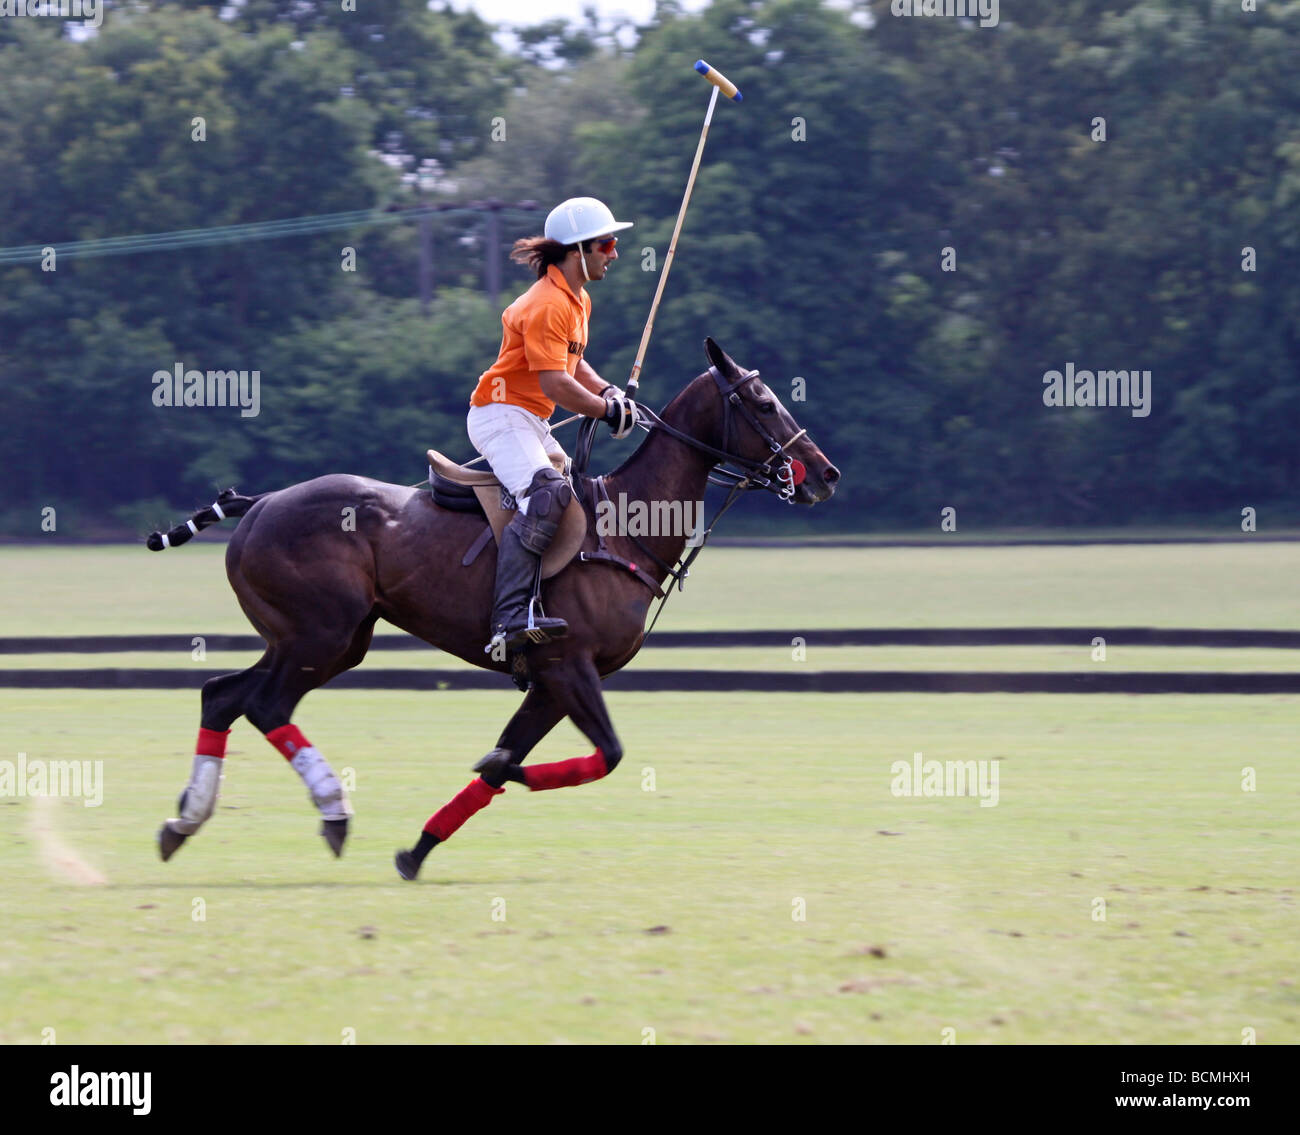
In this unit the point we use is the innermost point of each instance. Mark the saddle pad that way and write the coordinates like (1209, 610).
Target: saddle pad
(568, 539)
(573, 525)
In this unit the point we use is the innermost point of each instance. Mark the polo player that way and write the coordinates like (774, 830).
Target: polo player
(540, 365)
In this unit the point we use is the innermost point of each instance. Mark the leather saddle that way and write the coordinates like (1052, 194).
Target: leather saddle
(460, 489)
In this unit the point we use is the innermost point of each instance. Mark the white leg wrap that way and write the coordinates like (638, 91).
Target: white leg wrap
(200, 796)
(326, 791)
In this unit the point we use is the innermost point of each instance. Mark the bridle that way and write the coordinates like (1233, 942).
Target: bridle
(783, 480)
(756, 474)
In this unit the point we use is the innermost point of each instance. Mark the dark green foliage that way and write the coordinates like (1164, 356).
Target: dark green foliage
(813, 247)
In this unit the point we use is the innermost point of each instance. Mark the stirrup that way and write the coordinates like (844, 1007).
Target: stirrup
(508, 635)
(528, 635)
(535, 634)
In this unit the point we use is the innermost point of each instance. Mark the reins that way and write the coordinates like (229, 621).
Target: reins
(756, 474)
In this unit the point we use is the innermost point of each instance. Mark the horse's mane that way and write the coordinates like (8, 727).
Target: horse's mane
(664, 413)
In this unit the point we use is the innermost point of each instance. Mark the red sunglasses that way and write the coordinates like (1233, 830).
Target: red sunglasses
(605, 246)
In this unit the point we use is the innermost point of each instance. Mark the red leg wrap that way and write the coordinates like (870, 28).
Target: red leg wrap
(288, 739)
(566, 774)
(211, 743)
(474, 797)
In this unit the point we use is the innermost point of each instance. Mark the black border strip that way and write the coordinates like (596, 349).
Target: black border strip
(859, 636)
(815, 681)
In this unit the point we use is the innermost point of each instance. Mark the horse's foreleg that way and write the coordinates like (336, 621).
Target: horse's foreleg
(575, 689)
(536, 717)
(539, 714)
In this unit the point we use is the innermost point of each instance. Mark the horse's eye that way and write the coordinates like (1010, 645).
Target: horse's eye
(767, 407)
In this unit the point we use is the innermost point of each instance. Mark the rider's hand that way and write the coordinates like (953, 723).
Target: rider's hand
(620, 411)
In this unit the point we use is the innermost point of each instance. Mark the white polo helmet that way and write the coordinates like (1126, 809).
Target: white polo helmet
(581, 218)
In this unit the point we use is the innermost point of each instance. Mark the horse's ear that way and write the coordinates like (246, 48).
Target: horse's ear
(718, 357)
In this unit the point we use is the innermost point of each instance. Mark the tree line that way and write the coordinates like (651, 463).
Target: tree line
(910, 225)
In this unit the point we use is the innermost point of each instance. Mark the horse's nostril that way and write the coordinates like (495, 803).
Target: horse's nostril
(831, 476)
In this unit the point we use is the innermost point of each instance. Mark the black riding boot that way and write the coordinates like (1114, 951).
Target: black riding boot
(517, 569)
(519, 560)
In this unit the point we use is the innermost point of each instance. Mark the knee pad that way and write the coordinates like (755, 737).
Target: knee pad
(534, 534)
(548, 495)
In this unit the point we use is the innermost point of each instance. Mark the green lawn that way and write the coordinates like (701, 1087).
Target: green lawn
(623, 909)
(128, 590)
(672, 909)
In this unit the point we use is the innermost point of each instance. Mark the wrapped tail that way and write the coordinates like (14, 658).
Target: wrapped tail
(228, 505)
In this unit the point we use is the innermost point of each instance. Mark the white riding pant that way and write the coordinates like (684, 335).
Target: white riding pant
(516, 442)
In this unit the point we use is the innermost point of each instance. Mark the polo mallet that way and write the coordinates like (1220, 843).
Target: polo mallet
(727, 87)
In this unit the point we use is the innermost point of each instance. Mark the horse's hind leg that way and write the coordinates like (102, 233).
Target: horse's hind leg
(535, 718)
(298, 667)
(223, 700)
(267, 693)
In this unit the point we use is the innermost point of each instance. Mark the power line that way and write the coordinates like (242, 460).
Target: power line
(257, 230)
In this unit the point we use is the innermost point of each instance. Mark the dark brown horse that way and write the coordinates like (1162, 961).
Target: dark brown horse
(317, 564)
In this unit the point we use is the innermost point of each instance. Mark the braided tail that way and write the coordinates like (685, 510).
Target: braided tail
(228, 505)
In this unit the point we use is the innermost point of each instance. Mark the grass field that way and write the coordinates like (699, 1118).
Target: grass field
(984, 916)
(128, 590)
(620, 909)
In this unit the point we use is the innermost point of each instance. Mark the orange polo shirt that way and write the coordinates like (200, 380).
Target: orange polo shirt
(544, 329)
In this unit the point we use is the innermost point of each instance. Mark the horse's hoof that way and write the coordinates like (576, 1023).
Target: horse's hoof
(406, 865)
(336, 834)
(497, 767)
(169, 841)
